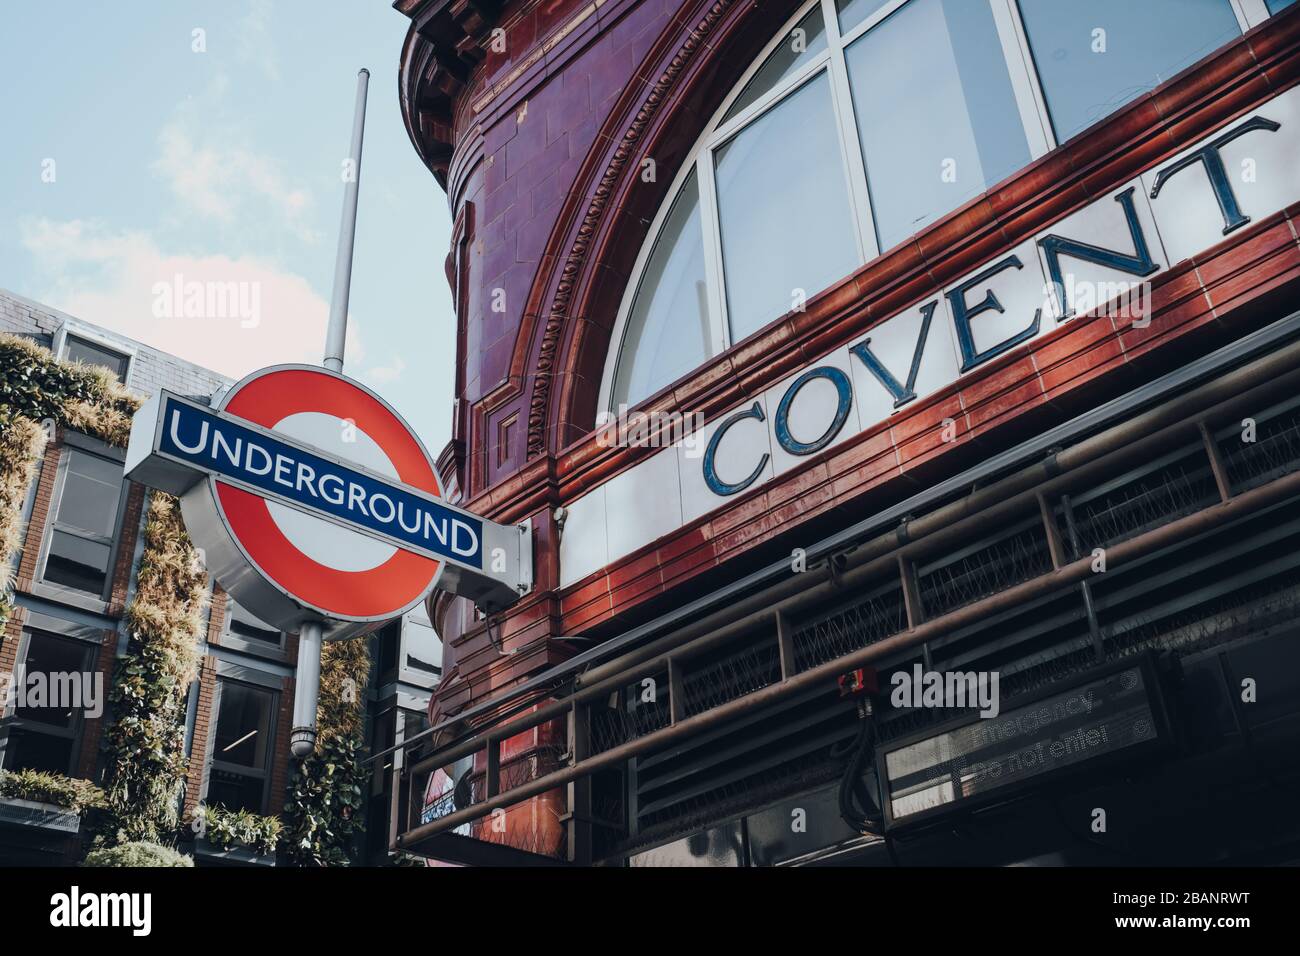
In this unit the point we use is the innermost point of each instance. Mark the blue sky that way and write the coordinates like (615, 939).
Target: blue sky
(225, 166)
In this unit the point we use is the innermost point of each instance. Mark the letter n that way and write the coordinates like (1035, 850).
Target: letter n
(1138, 264)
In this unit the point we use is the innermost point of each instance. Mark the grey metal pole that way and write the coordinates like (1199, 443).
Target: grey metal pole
(306, 690)
(307, 679)
(334, 336)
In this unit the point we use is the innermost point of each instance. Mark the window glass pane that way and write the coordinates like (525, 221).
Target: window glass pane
(34, 751)
(783, 208)
(423, 649)
(1277, 6)
(242, 624)
(60, 668)
(235, 791)
(936, 112)
(243, 725)
(853, 12)
(796, 50)
(1087, 75)
(77, 562)
(388, 639)
(91, 490)
(81, 350)
(668, 328)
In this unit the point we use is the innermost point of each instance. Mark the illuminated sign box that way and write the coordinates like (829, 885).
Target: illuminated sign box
(1115, 712)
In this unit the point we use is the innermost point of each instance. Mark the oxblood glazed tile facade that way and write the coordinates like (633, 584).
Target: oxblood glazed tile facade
(538, 119)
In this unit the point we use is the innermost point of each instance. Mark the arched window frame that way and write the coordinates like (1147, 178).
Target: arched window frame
(1030, 101)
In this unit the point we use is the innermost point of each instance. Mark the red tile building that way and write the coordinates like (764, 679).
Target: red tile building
(937, 338)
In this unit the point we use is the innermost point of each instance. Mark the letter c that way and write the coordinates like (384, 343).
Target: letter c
(716, 484)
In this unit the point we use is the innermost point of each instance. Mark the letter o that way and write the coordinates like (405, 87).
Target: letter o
(375, 499)
(844, 396)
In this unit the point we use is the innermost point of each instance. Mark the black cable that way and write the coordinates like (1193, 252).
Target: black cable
(863, 815)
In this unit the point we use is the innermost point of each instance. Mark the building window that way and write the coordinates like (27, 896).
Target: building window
(668, 331)
(79, 349)
(85, 522)
(388, 650)
(249, 630)
(939, 129)
(242, 747)
(421, 649)
(1093, 58)
(861, 123)
(802, 234)
(44, 729)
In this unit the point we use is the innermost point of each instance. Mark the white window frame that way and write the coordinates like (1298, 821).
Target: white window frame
(9, 709)
(96, 337)
(249, 645)
(1030, 101)
(212, 762)
(74, 443)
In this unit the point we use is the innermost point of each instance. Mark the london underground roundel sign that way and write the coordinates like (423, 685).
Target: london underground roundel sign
(313, 500)
(337, 570)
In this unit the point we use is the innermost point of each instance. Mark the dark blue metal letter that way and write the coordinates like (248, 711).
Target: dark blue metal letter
(962, 314)
(844, 393)
(902, 393)
(716, 484)
(1208, 156)
(1138, 264)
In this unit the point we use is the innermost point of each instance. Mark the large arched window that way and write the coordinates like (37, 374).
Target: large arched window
(861, 123)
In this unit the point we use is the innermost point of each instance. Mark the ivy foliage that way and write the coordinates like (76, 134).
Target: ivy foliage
(146, 742)
(226, 829)
(21, 440)
(139, 853)
(79, 796)
(325, 810)
(37, 386)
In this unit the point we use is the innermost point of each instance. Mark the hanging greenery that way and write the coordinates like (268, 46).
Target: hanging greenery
(141, 853)
(79, 796)
(37, 386)
(226, 829)
(325, 810)
(146, 742)
(20, 445)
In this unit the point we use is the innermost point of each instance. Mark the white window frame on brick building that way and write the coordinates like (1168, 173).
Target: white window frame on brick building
(51, 630)
(74, 444)
(249, 644)
(259, 682)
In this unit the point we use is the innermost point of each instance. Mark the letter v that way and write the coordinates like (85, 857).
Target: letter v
(902, 394)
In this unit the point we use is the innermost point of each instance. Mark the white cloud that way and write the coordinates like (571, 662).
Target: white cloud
(124, 282)
(253, 43)
(384, 374)
(227, 182)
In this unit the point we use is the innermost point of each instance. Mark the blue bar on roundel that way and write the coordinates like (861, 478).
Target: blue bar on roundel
(219, 445)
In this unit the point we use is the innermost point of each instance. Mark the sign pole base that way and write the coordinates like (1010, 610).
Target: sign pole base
(302, 741)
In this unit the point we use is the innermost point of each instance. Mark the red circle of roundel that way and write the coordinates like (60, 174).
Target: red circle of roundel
(381, 591)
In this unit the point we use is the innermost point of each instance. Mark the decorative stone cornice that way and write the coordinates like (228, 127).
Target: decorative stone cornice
(446, 41)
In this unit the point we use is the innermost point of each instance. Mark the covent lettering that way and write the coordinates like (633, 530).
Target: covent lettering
(975, 298)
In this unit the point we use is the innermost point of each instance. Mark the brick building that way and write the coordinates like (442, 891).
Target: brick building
(987, 314)
(76, 574)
